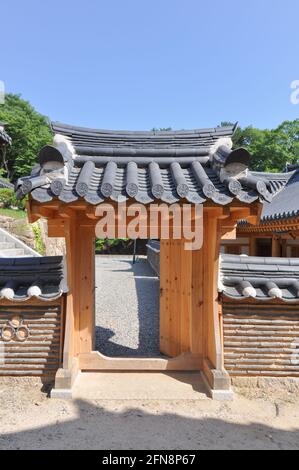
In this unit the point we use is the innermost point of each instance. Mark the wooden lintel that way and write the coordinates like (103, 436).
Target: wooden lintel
(65, 212)
(38, 211)
(217, 211)
(90, 212)
(56, 228)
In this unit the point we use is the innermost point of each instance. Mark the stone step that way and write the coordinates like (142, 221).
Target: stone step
(139, 386)
(11, 246)
(12, 252)
(6, 245)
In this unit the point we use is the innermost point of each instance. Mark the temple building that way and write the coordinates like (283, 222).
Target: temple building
(276, 234)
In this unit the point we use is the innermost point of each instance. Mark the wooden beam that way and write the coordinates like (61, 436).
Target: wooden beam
(97, 361)
(31, 217)
(66, 212)
(56, 228)
(37, 211)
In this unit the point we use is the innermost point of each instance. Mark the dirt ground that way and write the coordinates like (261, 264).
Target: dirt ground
(31, 420)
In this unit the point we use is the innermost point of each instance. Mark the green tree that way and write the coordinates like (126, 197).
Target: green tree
(271, 149)
(29, 131)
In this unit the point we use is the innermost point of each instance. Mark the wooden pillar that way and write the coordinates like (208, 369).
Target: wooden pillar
(71, 348)
(211, 250)
(276, 247)
(86, 288)
(176, 297)
(80, 267)
(213, 358)
(252, 245)
(65, 376)
(181, 298)
(284, 247)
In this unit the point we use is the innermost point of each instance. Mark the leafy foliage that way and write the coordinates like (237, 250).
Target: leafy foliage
(38, 242)
(13, 213)
(271, 149)
(29, 131)
(107, 244)
(8, 199)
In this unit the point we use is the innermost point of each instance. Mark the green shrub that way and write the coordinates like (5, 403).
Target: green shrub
(8, 199)
(38, 242)
(102, 245)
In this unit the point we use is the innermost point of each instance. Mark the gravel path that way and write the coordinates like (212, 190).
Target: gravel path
(127, 307)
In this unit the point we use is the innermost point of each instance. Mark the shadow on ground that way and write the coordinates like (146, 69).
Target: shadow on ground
(96, 427)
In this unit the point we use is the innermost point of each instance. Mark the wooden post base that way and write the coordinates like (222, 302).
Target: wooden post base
(64, 381)
(217, 382)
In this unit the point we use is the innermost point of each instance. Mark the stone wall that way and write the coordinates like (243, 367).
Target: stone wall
(21, 229)
(52, 246)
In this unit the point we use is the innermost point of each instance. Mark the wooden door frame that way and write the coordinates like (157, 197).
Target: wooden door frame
(200, 335)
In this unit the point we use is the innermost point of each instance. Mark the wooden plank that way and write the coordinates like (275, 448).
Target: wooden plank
(164, 296)
(252, 246)
(174, 299)
(185, 294)
(276, 247)
(196, 326)
(86, 289)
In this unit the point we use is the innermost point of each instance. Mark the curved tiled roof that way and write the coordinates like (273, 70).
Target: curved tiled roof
(286, 203)
(242, 276)
(32, 277)
(84, 138)
(260, 278)
(170, 166)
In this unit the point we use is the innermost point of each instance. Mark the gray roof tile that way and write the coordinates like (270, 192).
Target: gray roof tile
(242, 277)
(168, 166)
(286, 202)
(24, 278)
(261, 278)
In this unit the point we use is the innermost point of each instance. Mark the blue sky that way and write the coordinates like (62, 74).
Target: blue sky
(140, 64)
